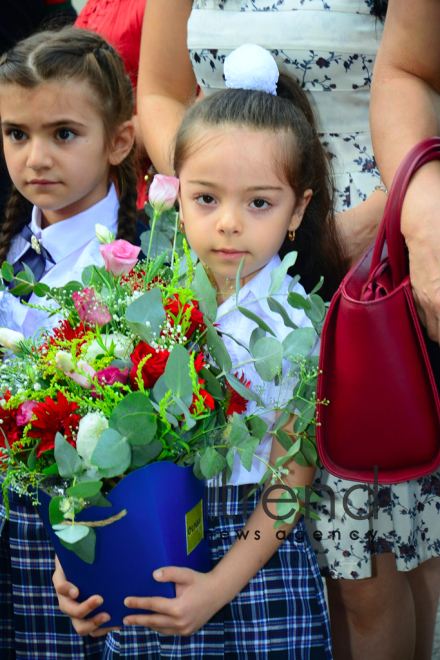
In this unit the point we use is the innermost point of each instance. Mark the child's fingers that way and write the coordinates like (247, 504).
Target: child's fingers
(174, 574)
(155, 604)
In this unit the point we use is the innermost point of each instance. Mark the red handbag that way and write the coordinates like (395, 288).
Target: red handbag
(384, 407)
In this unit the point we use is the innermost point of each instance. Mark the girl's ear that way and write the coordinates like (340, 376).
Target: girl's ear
(300, 209)
(122, 143)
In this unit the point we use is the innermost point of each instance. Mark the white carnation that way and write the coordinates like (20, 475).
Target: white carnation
(122, 345)
(251, 67)
(64, 361)
(11, 339)
(89, 431)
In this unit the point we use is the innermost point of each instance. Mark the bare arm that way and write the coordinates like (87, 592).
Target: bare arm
(405, 108)
(166, 83)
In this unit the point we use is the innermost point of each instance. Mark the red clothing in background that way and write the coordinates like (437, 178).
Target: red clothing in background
(120, 23)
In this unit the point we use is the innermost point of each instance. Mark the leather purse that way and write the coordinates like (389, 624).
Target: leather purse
(376, 360)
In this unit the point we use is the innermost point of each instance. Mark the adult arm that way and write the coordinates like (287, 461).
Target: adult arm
(405, 108)
(166, 83)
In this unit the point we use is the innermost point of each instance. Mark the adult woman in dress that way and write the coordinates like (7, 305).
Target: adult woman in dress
(330, 46)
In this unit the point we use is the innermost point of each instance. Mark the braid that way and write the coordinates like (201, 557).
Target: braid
(127, 185)
(16, 211)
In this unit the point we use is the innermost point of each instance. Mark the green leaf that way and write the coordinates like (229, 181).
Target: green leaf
(67, 458)
(99, 500)
(160, 243)
(157, 266)
(284, 439)
(307, 416)
(244, 391)
(71, 534)
(249, 445)
(308, 449)
(316, 313)
(318, 286)
(177, 372)
(147, 308)
(205, 293)
(21, 289)
(268, 356)
(85, 548)
(294, 281)
(305, 493)
(211, 384)
(190, 422)
(29, 273)
(297, 301)
(160, 390)
(32, 459)
(216, 347)
(55, 514)
(112, 454)
(298, 344)
(239, 431)
(7, 271)
(51, 469)
(276, 307)
(41, 289)
(211, 463)
(256, 334)
(258, 427)
(287, 509)
(254, 317)
(237, 280)
(143, 454)
(229, 463)
(281, 420)
(278, 275)
(300, 459)
(85, 489)
(86, 275)
(134, 418)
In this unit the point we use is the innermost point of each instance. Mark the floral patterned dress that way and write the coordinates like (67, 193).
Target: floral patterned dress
(330, 46)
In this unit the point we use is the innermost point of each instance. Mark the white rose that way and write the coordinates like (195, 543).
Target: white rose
(64, 361)
(121, 343)
(103, 234)
(11, 339)
(89, 431)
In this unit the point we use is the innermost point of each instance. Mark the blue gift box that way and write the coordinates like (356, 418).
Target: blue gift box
(165, 525)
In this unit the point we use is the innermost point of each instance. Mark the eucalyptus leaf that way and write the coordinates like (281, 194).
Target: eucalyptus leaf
(318, 286)
(112, 454)
(317, 310)
(86, 275)
(55, 514)
(256, 334)
(67, 458)
(249, 446)
(216, 347)
(298, 343)
(143, 454)
(147, 309)
(135, 419)
(294, 281)
(211, 384)
(71, 534)
(306, 417)
(276, 307)
(239, 430)
(268, 355)
(300, 459)
(85, 489)
(51, 469)
(190, 422)
(284, 439)
(177, 372)
(281, 420)
(278, 275)
(159, 244)
(211, 463)
(85, 548)
(237, 280)
(258, 427)
(161, 389)
(308, 449)
(205, 293)
(32, 459)
(7, 271)
(254, 317)
(297, 301)
(157, 265)
(21, 289)
(287, 507)
(29, 273)
(244, 391)
(41, 289)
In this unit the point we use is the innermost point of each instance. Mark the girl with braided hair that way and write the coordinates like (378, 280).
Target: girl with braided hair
(66, 109)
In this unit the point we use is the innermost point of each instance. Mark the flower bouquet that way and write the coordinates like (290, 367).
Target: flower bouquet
(132, 401)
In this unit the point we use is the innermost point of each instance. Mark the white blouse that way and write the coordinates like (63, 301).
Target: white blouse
(252, 296)
(73, 245)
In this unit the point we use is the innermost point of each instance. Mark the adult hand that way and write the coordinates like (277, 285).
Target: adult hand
(358, 226)
(194, 605)
(67, 593)
(421, 228)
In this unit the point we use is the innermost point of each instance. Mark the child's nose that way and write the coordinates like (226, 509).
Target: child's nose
(38, 155)
(230, 220)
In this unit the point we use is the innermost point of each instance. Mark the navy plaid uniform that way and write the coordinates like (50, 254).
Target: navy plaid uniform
(32, 627)
(280, 615)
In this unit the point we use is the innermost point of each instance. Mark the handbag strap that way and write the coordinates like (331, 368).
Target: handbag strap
(389, 231)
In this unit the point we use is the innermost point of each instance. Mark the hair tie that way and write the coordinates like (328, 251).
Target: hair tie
(251, 67)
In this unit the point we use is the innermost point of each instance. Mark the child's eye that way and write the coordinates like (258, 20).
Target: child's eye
(65, 135)
(16, 135)
(260, 203)
(206, 200)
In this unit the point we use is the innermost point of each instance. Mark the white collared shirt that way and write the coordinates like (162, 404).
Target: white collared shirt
(73, 245)
(236, 324)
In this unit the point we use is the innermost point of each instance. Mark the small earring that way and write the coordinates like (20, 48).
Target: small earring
(182, 227)
(291, 235)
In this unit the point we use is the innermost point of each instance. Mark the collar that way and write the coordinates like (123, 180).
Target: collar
(257, 287)
(63, 238)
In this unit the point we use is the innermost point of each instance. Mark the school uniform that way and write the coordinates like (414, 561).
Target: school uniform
(281, 614)
(32, 626)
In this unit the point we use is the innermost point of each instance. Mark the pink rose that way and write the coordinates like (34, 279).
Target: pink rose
(163, 193)
(81, 379)
(119, 256)
(89, 309)
(24, 414)
(111, 375)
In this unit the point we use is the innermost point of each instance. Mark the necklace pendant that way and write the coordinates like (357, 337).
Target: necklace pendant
(35, 243)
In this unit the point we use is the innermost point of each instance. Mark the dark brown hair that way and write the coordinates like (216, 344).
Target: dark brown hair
(303, 164)
(75, 54)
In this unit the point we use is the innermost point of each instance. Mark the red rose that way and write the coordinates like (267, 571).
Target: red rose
(190, 321)
(153, 367)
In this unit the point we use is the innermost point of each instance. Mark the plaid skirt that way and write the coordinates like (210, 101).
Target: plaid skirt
(32, 627)
(280, 615)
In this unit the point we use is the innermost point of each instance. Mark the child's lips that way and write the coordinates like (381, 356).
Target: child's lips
(42, 182)
(230, 254)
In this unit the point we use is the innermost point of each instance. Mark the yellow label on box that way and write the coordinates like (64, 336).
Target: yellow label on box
(194, 527)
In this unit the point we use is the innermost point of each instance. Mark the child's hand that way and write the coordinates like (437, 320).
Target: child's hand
(67, 593)
(194, 605)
